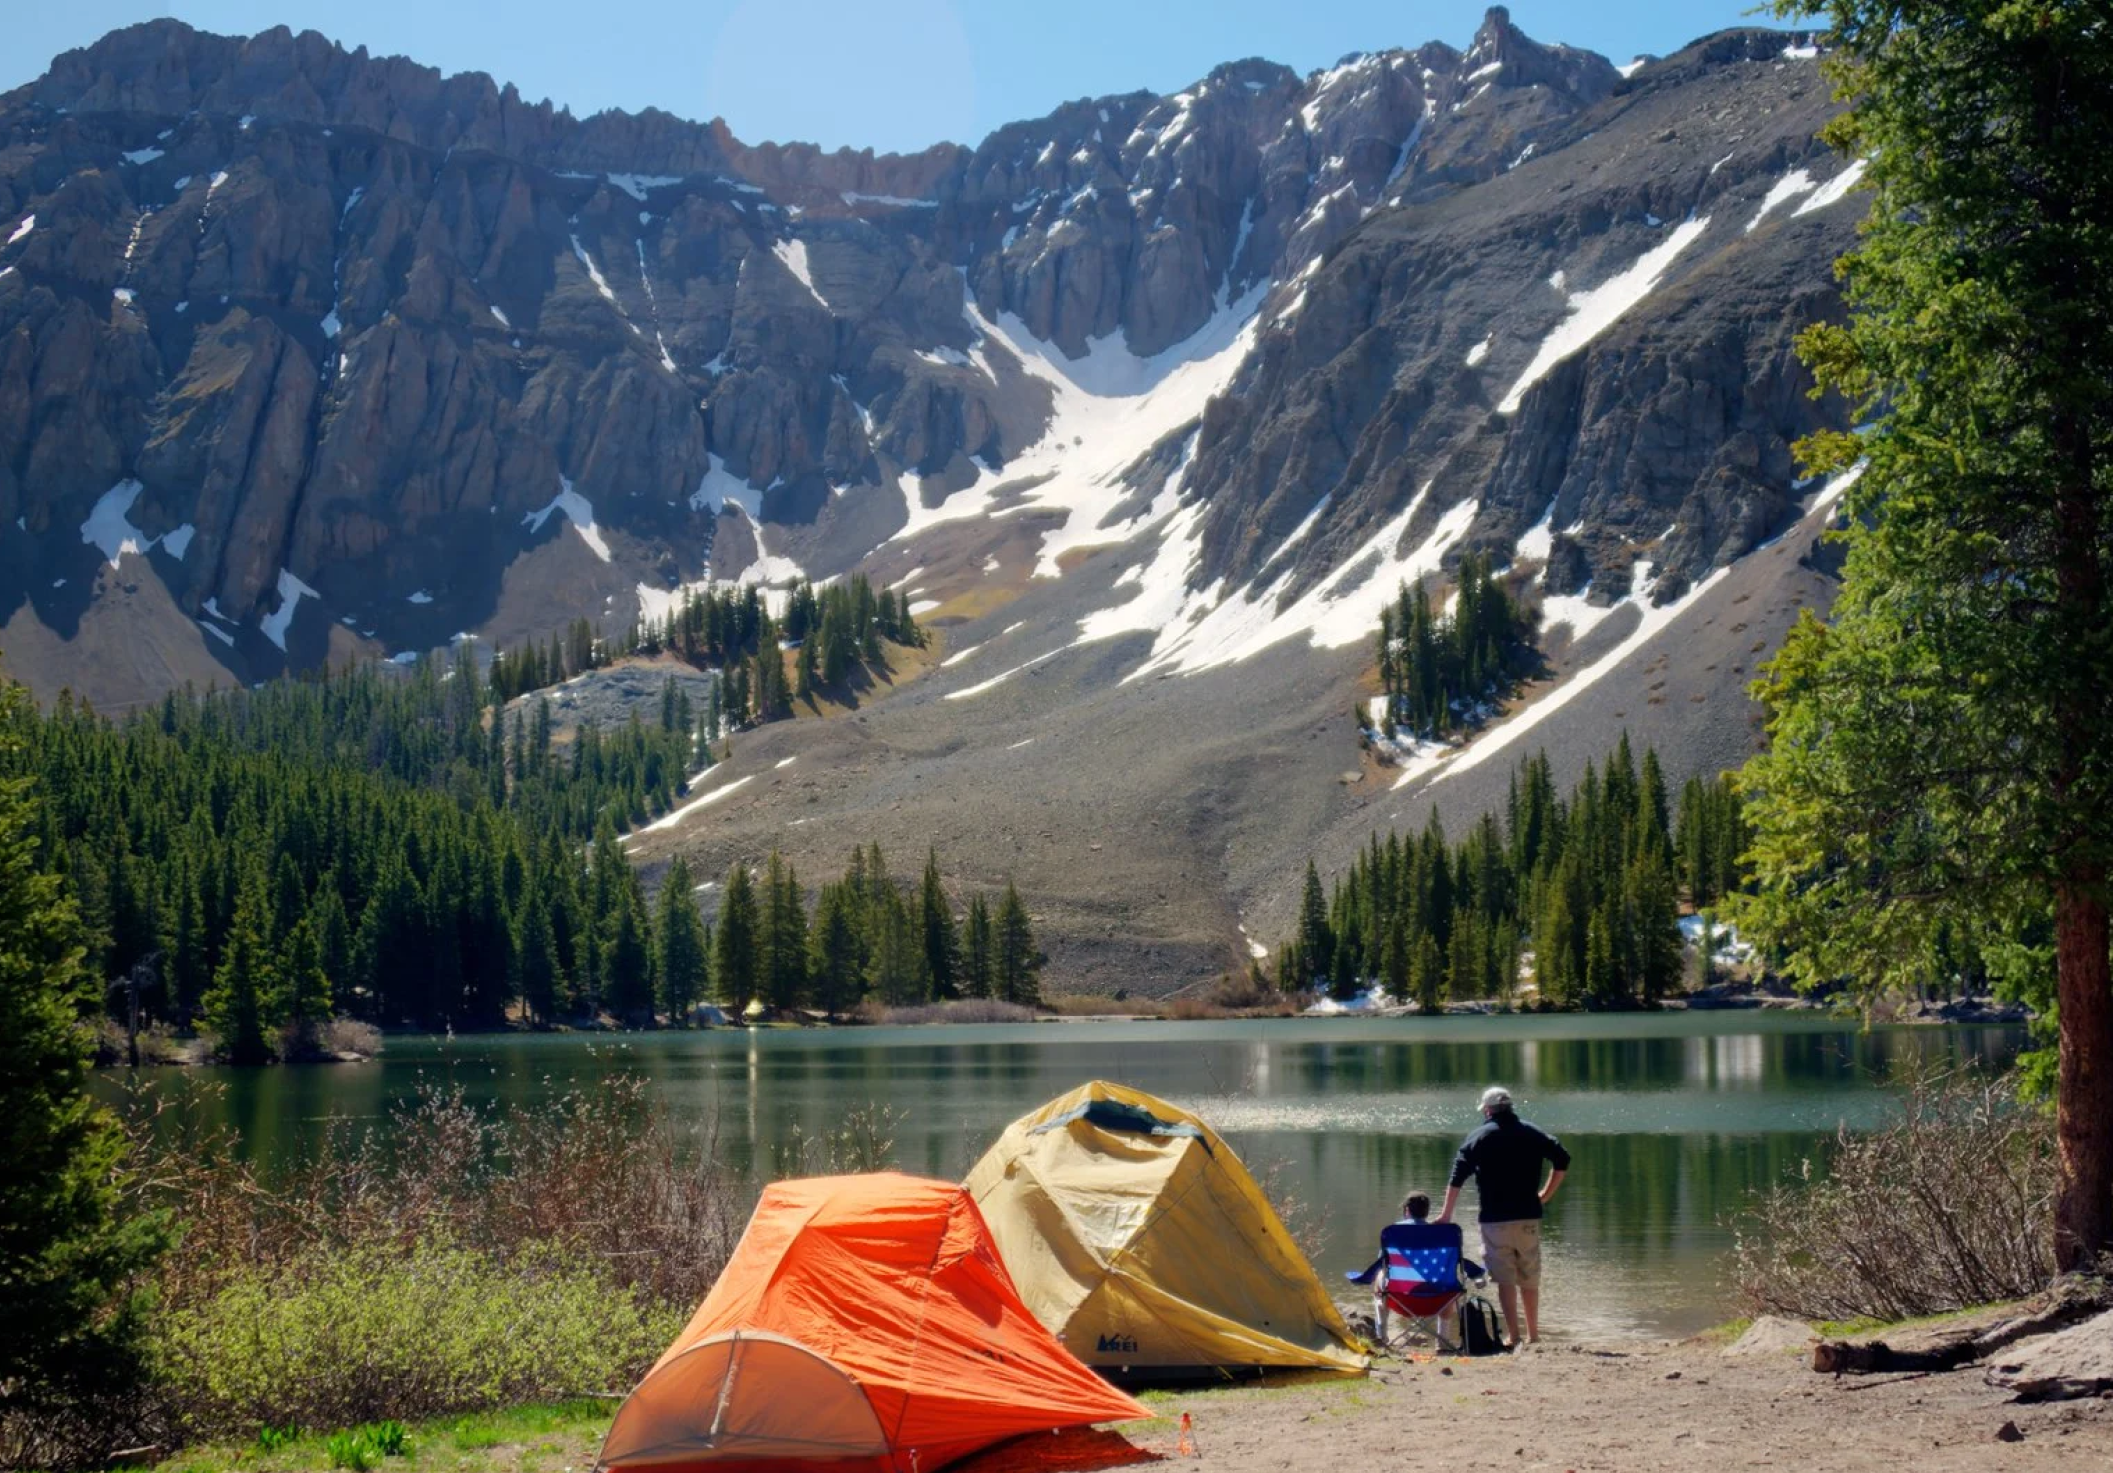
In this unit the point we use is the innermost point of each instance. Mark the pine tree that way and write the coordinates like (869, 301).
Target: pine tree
(243, 1006)
(941, 941)
(895, 967)
(1427, 973)
(833, 965)
(1941, 751)
(627, 959)
(681, 944)
(305, 985)
(1017, 960)
(1315, 943)
(781, 946)
(979, 965)
(188, 968)
(326, 912)
(70, 1322)
(734, 949)
(539, 973)
(1602, 985)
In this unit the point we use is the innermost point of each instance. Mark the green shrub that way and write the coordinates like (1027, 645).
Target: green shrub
(342, 1338)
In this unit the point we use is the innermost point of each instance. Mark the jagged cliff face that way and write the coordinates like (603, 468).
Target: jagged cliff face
(306, 354)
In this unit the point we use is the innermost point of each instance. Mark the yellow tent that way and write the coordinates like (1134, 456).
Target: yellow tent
(1139, 1239)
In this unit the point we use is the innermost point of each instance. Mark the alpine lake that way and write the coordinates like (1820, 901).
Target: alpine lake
(1672, 1119)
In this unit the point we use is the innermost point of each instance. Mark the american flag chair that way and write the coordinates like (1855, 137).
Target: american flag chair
(1418, 1277)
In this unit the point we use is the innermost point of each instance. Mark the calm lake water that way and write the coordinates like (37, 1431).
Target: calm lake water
(1672, 1118)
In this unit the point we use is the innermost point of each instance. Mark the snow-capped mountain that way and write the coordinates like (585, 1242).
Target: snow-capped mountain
(308, 355)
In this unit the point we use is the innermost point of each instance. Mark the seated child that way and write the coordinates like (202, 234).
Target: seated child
(1443, 1241)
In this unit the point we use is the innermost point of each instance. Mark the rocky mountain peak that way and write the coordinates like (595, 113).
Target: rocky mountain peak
(452, 361)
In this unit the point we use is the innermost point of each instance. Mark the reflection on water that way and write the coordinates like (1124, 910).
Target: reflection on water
(1671, 1119)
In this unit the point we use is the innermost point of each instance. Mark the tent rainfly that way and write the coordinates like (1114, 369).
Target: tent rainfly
(865, 1324)
(1138, 1238)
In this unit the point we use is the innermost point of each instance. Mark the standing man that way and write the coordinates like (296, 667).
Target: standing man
(1504, 1157)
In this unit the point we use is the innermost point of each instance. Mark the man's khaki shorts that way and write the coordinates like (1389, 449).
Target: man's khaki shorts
(1512, 1252)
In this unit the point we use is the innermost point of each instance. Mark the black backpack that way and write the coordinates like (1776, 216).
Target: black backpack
(1481, 1333)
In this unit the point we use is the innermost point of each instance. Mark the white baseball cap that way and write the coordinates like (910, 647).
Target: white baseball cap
(1496, 1097)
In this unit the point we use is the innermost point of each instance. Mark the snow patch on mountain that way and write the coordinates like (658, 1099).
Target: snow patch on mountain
(109, 526)
(1001, 677)
(675, 816)
(1110, 408)
(1537, 541)
(636, 185)
(291, 591)
(1198, 630)
(721, 486)
(769, 570)
(1298, 533)
(1834, 190)
(601, 284)
(578, 510)
(1785, 189)
(793, 253)
(1593, 312)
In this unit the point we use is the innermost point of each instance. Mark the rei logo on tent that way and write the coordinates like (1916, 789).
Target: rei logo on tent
(1126, 1344)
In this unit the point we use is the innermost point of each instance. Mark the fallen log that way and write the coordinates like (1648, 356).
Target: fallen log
(2065, 1306)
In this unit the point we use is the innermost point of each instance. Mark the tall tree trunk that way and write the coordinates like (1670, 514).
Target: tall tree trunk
(2083, 1208)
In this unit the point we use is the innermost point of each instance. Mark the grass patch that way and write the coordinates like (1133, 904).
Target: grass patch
(1850, 1329)
(524, 1439)
(1725, 1333)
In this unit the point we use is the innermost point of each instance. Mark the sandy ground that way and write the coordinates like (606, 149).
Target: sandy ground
(1631, 1409)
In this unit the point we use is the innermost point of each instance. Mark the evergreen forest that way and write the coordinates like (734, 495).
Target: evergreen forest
(1438, 667)
(1587, 884)
(402, 847)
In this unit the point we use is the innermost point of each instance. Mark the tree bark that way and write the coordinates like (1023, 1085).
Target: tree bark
(2083, 1207)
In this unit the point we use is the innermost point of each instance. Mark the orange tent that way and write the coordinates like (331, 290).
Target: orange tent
(866, 1323)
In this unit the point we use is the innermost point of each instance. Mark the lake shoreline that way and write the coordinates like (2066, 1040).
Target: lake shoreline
(1637, 1405)
(191, 1052)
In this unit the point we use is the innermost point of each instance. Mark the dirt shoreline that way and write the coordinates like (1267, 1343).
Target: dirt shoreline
(1619, 1406)
(1622, 1407)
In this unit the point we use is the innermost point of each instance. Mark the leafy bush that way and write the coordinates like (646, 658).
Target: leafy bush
(1948, 1205)
(334, 1337)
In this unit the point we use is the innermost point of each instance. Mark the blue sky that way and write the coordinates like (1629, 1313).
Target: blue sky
(890, 74)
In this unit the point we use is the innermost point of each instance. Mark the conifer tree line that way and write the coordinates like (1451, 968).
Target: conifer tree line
(865, 936)
(534, 667)
(370, 846)
(1436, 666)
(1590, 883)
(832, 631)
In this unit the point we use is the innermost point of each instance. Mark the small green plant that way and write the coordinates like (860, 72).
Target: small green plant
(350, 1450)
(362, 1447)
(277, 1439)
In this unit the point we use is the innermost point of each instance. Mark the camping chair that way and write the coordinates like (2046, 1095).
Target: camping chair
(1418, 1277)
